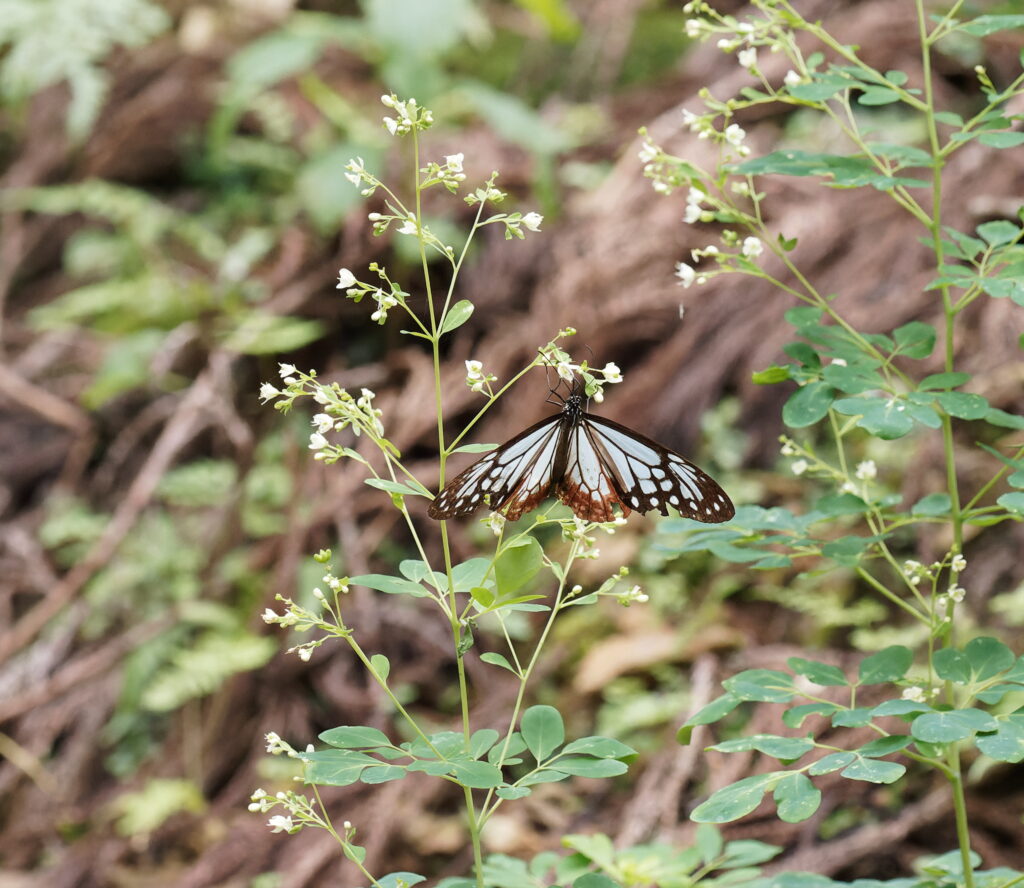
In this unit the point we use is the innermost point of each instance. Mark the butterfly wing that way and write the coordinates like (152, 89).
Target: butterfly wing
(588, 484)
(648, 476)
(512, 479)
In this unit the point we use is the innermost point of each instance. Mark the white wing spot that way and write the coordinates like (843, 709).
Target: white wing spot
(596, 495)
(693, 506)
(666, 484)
(717, 507)
(634, 502)
(647, 486)
(654, 501)
(486, 485)
(674, 500)
(658, 473)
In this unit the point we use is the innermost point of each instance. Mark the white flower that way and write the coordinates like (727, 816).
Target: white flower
(792, 78)
(690, 119)
(959, 563)
(474, 369)
(867, 470)
(532, 221)
(747, 57)
(287, 370)
(323, 423)
(305, 653)
(612, 373)
(566, 370)
(800, 466)
(268, 392)
(735, 134)
(847, 487)
(495, 522)
(752, 247)
(914, 693)
(694, 28)
(454, 162)
(345, 279)
(685, 273)
(280, 823)
(270, 616)
(408, 226)
(957, 593)
(911, 566)
(649, 151)
(317, 441)
(692, 214)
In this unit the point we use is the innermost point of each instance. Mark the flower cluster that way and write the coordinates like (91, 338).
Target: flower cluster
(449, 174)
(516, 222)
(358, 175)
(384, 297)
(300, 810)
(410, 116)
(567, 370)
(477, 379)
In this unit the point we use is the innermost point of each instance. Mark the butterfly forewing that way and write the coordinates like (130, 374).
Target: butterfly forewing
(512, 479)
(650, 476)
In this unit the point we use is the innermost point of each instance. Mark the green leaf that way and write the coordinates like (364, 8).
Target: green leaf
(511, 793)
(708, 842)
(1001, 140)
(599, 747)
(543, 731)
(852, 718)
(822, 87)
(963, 404)
(796, 798)
(481, 741)
(952, 665)
(949, 118)
(584, 766)
(794, 718)
(933, 505)
(1006, 744)
(771, 375)
(399, 487)
(457, 315)
(355, 737)
(885, 666)
(715, 710)
(784, 748)
(808, 405)
(477, 775)
(952, 725)
(595, 880)
(884, 746)
(335, 767)
(899, 708)
(376, 774)
(498, 660)
(832, 762)
(390, 585)
(1005, 420)
(736, 800)
(381, 665)
(886, 418)
(984, 25)
(475, 448)
(761, 685)
(517, 565)
(1000, 231)
(988, 657)
(915, 340)
(820, 673)
(874, 771)
(876, 95)
(1012, 502)
(400, 880)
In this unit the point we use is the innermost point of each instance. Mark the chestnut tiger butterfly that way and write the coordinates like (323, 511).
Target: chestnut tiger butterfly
(591, 464)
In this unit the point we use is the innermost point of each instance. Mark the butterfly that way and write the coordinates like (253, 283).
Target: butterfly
(591, 464)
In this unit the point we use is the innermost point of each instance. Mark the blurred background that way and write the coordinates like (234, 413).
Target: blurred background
(174, 214)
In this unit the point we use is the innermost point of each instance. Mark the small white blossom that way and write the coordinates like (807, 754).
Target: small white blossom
(566, 370)
(752, 247)
(495, 522)
(792, 78)
(305, 653)
(694, 27)
(957, 593)
(345, 279)
(847, 487)
(612, 373)
(959, 563)
(867, 470)
(323, 423)
(280, 823)
(685, 273)
(408, 226)
(287, 370)
(270, 616)
(648, 151)
(747, 57)
(474, 369)
(317, 441)
(800, 466)
(268, 392)
(454, 162)
(692, 214)
(532, 221)
(914, 693)
(735, 134)
(788, 449)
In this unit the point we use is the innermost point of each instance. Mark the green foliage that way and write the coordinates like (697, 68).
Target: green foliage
(142, 812)
(50, 41)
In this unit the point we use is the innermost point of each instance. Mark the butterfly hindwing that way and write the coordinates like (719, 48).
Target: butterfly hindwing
(649, 476)
(512, 479)
(588, 485)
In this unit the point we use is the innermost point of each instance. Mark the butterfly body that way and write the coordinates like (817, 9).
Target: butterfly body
(589, 463)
